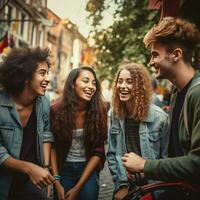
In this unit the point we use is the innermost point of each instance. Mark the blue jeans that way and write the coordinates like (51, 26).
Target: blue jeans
(71, 174)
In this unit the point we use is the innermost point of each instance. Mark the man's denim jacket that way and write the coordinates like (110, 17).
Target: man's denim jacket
(11, 135)
(153, 133)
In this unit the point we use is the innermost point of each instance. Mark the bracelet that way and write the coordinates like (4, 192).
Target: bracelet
(57, 177)
(47, 167)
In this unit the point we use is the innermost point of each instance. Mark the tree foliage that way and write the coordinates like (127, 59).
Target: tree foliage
(123, 40)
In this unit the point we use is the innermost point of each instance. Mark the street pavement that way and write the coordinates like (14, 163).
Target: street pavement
(106, 184)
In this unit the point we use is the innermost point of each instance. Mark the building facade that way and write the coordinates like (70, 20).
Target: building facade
(24, 22)
(29, 23)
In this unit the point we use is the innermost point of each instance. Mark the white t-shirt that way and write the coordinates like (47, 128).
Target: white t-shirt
(77, 150)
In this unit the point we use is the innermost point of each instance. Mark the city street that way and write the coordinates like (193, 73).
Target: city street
(106, 184)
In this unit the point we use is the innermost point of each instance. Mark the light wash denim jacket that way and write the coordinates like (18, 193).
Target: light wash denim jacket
(153, 142)
(11, 135)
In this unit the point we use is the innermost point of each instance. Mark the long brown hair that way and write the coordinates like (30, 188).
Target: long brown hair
(141, 92)
(95, 125)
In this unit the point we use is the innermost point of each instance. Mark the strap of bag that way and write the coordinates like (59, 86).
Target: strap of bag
(185, 116)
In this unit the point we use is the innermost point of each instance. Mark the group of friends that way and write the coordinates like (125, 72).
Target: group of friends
(63, 144)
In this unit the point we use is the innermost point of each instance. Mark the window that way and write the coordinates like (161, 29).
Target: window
(24, 26)
(33, 35)
(9, 14)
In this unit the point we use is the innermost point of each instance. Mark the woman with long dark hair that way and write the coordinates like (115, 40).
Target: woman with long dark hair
(79, 122)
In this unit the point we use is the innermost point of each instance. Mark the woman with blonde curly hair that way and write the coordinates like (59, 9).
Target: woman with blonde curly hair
(136, 125)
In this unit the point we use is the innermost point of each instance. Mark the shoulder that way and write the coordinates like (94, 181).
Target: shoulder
(3, 92)
(45, 101)
(194, 92)
(112, 116)
(113, 120)
(157, 111)
(193, 96)
(4, 97)
(45, 98)
(56, 106)
(192, 100)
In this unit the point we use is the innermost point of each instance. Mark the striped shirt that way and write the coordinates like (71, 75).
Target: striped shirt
(132, 135)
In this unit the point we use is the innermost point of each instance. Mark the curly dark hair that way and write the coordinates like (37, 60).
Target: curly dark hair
(19, 66)
(95, 125)
(141, 92)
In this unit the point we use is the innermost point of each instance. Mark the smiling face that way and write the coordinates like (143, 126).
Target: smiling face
(162, 61)
(85, 85)
(38, 84)
(125, 85)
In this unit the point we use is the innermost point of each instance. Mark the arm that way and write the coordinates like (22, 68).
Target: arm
(111, 153)
(90, 167)
(4, 155)
(184, 167)
(39, 176)
(54, 170)
(111, 158)
(47, 152)
(48, 136)
(164, 137)
(178, 168)
(53, 159)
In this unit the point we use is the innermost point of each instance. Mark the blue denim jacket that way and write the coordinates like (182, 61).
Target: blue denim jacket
(11, 135)
(153, 142)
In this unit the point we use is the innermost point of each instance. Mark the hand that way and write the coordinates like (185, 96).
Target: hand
(60, 190)
(121, 193)
(133, 163)
(130, 176)
(49, 191)
(39, 176)
(72, 194)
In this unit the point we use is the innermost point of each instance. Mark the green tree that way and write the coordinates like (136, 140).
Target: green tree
(123, 40)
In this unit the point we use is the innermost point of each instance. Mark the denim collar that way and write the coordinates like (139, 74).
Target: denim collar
(149, 118)
(7, 101)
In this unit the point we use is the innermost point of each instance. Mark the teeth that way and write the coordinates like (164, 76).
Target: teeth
(124, 92)
(89, 93)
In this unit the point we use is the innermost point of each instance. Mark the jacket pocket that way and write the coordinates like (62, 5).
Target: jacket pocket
(154, 143)
(115, 131)
(7, 131)
(154, 135)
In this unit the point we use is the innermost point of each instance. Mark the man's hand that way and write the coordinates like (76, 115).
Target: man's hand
(133, 163)
(39, 176)
(121, 193)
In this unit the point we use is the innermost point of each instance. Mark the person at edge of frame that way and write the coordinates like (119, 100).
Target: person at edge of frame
(25, 136)
(172, 43)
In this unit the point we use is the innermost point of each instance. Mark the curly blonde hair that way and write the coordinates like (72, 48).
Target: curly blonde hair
(141, 92)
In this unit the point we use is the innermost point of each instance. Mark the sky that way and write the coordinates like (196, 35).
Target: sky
(74, 10)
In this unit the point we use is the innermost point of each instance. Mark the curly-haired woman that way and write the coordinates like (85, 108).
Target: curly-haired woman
(136, 125)
(80, 126)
